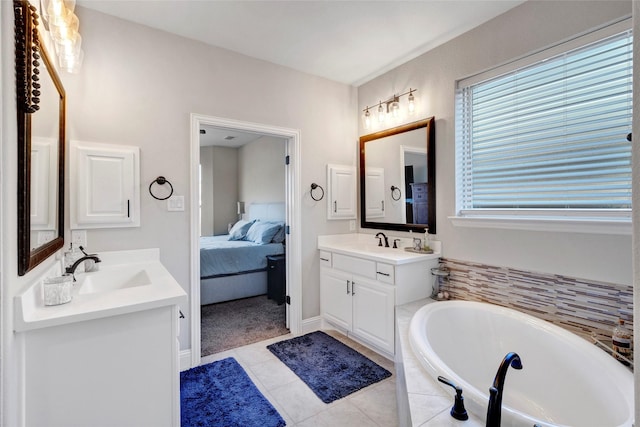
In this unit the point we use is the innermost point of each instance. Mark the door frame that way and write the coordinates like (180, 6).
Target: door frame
(293, 219)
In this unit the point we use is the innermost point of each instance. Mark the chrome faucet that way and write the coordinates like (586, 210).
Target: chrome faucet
(71, 270)
(386, 240)
(494, 412)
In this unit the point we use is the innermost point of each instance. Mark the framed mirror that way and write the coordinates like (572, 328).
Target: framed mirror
(398, 178)
(41, 144)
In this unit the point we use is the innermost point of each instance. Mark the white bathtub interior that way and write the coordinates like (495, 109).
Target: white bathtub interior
(564, 381)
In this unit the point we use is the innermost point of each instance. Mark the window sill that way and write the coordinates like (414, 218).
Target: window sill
(619, 226)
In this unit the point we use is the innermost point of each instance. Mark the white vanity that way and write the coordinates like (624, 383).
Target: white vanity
(362, 283)
(110, 356)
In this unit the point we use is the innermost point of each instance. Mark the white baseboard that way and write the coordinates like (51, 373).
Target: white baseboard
(185, 360)
(311, 324)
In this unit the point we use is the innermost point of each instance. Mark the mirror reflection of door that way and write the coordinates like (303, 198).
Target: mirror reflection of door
(375, 192)
(414, 163)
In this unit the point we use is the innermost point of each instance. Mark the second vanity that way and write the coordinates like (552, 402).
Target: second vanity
(362, 283)
(110, 356)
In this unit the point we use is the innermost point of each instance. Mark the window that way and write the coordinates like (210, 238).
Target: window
(549, 139)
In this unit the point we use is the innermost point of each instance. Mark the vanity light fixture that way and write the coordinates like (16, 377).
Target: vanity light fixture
(412, 102)
(63, 25)
(390, 107)
(366, 118)
(380, 113)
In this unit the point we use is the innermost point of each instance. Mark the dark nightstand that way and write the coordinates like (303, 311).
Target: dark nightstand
(276, 278)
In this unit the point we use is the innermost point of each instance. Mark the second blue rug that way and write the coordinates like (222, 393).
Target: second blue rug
(330, 368)
(222, 394)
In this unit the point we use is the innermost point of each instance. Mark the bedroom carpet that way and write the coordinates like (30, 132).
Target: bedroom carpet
(232, 324)
(330, 368)
(221, 394)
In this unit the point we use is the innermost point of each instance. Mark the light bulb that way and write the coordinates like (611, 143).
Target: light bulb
(395, 108)
(57, 12)
(366, 119)
(412, 102)
(380, 113)
(66, 29)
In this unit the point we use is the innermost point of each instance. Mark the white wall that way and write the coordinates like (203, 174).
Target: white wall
(138, 87)
(262, 171)
(524, 29)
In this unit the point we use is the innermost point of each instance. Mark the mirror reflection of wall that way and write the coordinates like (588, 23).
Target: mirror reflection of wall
(397, 160)
(44, 161)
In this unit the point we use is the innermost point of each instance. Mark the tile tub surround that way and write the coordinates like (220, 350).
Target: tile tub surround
(422, 401)
(581, 306)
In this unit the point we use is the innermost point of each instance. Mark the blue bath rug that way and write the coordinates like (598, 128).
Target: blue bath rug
(221, 394)
(330, 368)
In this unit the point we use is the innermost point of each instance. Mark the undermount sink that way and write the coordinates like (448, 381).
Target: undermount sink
(113, 279)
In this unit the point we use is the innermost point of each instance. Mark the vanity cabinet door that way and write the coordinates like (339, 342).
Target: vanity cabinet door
(335, 297)
(105, 185)
(341, 200)
(374, 312)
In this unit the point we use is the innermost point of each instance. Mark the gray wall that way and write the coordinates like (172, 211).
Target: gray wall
(529, 27)
(219, 192)
(262, 171)
(225, 188)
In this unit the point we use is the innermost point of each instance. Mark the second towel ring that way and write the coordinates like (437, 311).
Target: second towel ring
(393, 193)
(161, 180)
(313, 187)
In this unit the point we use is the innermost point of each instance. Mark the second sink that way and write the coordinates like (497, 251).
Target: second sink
(109, 280)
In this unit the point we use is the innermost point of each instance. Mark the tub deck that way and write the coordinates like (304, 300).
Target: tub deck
(421, 400)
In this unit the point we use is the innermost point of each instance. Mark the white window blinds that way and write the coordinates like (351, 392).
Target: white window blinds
(550, 136)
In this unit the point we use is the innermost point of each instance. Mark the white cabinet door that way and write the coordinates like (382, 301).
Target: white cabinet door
(374, 185)
(105, 185)
(341, 201)
(374, 312)
(335, 297)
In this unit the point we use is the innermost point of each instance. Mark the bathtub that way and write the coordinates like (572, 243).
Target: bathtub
(565, 380)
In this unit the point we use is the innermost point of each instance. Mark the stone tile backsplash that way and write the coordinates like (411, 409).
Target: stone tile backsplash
(581, 306)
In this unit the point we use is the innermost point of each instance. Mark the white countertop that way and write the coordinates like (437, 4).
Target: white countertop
(31, 313)
(366, 246)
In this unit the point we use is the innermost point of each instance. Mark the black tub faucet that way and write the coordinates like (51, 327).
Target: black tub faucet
(494, 412)
(386, 239)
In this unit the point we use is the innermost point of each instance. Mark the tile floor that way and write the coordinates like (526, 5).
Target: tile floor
(373, 406)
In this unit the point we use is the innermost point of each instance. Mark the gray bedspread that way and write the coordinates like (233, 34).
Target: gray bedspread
(222, 257)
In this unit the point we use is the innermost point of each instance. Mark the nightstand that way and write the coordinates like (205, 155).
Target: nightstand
(276, 278)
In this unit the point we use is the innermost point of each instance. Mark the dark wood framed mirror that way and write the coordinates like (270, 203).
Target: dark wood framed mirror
(398, 178)
(40, 100)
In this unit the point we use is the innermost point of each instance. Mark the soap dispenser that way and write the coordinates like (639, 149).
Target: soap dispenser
(425, 244)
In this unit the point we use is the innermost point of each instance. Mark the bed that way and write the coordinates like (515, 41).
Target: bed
(234, 266)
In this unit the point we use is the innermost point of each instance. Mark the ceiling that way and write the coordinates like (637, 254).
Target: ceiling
(225, 137)
(350, 42)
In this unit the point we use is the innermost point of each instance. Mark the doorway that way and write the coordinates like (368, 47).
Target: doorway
(291, 139)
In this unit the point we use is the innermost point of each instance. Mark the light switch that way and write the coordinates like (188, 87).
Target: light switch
(175, 204)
